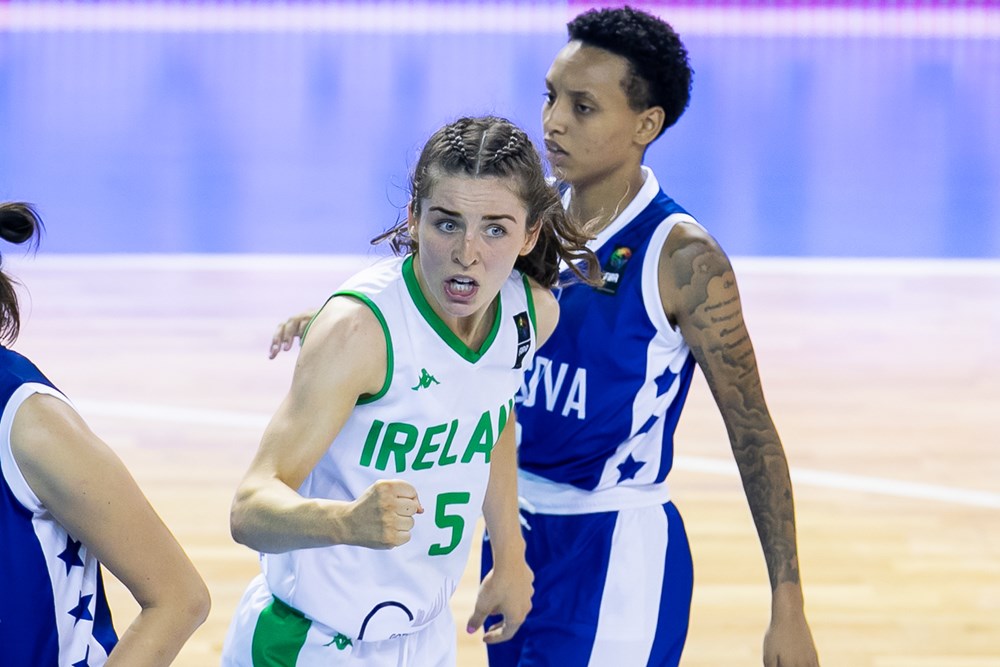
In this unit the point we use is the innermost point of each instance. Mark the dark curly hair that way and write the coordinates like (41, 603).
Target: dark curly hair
(659, 71)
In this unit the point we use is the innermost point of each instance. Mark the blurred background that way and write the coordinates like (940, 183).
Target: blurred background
(833, 128)
(207, 168)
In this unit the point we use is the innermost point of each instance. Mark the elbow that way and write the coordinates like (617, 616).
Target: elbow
(186, 604)
(199, 603)
(237, 527)
(239, 519)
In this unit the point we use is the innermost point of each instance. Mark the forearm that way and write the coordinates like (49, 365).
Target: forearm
(500, 508)
(157, 634)
(272, 518)
(768, 487)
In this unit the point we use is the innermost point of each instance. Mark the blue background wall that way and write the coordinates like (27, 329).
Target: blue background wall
(300, 141)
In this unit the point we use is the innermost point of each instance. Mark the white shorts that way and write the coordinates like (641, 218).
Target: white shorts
(265, 632)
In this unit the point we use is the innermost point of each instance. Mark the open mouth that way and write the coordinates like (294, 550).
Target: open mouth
(461, 287)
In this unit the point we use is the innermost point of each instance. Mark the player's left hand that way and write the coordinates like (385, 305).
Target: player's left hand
(506, 594)
(789, 643)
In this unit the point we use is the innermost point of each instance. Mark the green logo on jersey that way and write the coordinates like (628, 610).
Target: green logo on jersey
(341, 642)
(425, 381)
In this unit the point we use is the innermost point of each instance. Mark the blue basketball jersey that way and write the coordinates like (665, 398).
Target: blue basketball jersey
(53, 612)
(598, 407)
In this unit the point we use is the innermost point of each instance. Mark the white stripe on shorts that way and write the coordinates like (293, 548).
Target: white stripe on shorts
(630, 603)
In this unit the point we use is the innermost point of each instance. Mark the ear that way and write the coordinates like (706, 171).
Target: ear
(411, 221)
(649, 124)
(529, 243)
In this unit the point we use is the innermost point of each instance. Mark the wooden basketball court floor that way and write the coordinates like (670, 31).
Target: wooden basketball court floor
(883, 378)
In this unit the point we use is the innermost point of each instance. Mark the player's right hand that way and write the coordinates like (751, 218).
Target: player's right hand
(289, 330)
(382, 517)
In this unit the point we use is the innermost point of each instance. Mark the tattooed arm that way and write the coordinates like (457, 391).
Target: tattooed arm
(700, 297)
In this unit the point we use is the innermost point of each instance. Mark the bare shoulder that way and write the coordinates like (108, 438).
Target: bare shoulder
(546, 310)
(689, 249)
(343, 316)
(58, 454)
(690, 264)
(346, 344)
(47, 426)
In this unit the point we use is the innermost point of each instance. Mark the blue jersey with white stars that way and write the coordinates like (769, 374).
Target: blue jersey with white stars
(599, 405)
(53, 612)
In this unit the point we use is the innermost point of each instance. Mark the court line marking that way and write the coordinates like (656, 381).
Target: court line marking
(800, 476)
(973, 22)
(841, 266)
(846, 482)
(191, 262)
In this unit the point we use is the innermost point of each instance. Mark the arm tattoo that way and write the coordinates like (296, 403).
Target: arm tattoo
(711, 318)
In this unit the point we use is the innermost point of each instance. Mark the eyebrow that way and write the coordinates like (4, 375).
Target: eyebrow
(572, 93)
(456, 214)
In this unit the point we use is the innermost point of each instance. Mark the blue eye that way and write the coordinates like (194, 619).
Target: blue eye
(446, 225)
(496, 231)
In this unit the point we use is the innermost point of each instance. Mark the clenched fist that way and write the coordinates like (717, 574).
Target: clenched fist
(382, 517)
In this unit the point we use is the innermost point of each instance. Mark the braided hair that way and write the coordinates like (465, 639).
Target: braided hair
(489, 146)
(19, 223)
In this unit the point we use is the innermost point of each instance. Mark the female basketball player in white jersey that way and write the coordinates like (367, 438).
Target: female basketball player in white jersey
(398, 430)
(67, 504)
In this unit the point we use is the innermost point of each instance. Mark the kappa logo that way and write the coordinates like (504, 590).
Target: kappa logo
(425, 381)
(341, 642)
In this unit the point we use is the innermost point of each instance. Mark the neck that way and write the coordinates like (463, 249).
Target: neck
(595, 205)
(471, 329)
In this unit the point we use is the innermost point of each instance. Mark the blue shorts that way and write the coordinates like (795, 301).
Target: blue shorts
(611, 588)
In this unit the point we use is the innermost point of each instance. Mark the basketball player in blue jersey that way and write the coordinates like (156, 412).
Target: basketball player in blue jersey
(398, 430)
(601, 400)
(67, 505)
(598, 409)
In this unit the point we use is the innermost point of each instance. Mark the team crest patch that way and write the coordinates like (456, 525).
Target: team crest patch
(523, 325)
(614, 268)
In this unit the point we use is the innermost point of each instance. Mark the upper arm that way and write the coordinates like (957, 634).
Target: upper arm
(546, 311)
(88, 490)
(700, 296)
(343, 358)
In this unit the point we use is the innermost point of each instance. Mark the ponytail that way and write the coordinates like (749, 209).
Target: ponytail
(19, 223)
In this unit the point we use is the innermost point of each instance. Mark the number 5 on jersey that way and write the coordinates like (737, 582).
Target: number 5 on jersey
(445, 521)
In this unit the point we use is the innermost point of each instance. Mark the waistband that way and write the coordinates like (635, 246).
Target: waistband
(543, 496)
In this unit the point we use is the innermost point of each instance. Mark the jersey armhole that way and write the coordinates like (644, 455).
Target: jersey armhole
(12, 471)
(363, 298)
(650, 272)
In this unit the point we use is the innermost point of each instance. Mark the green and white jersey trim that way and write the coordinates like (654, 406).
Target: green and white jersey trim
(435, 322)
(433, 424)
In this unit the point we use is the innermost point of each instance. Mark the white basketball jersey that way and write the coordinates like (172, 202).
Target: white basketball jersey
(433, 424)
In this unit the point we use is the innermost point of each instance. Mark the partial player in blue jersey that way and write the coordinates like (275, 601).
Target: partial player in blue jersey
(67, 504)
(598, 409)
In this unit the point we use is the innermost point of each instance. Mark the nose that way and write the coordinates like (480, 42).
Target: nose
(553, 117)
(466, 252)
